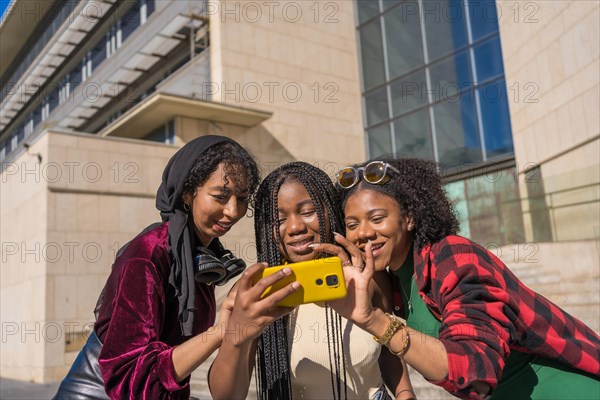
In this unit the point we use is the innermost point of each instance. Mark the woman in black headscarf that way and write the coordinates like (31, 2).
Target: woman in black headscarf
(152, 328)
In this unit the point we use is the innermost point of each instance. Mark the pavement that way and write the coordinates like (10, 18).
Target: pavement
(11, 389)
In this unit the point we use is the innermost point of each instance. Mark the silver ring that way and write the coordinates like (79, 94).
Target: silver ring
(361, 267)
(347, 263)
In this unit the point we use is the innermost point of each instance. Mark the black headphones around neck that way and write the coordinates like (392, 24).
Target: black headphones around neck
(210, 268)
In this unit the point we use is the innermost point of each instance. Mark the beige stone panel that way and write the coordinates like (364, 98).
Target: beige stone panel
(108, 214)
(88, 209)
(577, 222)
(65, 300)
(576, 11)
(552, 133)
(576, 168)
(591, 105)
(566, 52)
(87, 292)
(127, 212)
(300, 56)
(77, 241)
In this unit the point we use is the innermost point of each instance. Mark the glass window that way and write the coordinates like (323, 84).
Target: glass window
(376, 105)
(488, 59)
(496, 119)
(372, 54)
(445, 26)
(413, 135)
(483, 16)
(380, 140)
(367, 9)
(150, 7)
(98, 53)
(130, 21)
(36, 115)
(403, 39)
(20, 134)
(409, 93)
(53, 98)
(389, 3)
(456, 194)
(75, 76)
(456, 131)
(450, 76)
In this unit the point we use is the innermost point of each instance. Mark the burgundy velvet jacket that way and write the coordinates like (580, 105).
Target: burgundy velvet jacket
(486, 311)
(138, 323)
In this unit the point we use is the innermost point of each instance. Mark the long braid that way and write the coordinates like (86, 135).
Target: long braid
(272, 357)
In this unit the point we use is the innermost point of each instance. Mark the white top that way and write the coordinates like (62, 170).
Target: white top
(309, 357)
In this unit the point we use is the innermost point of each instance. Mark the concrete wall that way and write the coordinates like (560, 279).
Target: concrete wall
(90, 196)
(551, 59)
(23, 282)
(298, 60)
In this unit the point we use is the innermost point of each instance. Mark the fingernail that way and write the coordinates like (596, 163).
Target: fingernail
(286, 270)
(295, 285)
(338, 234)
(312, 245)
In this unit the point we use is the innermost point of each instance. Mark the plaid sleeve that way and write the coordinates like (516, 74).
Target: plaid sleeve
(476, 312)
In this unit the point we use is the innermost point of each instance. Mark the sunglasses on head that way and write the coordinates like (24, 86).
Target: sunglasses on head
(375, 172)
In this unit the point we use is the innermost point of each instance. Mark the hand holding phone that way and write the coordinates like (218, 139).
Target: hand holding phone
(321, 279)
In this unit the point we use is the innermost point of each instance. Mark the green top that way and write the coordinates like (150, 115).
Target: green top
(525, 376)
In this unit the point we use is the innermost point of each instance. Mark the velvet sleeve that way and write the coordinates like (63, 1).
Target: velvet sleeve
(477, 314)
(134, 363)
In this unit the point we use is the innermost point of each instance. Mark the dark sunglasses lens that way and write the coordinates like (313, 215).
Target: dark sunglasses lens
(374, 172)
(347, 177)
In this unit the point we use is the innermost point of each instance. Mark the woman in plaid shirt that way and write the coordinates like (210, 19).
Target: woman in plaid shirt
(468, 323)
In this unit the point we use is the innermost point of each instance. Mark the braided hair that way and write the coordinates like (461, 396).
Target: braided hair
(272, 357)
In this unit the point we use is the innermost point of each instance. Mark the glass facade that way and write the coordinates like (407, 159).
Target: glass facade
(433, 80)
(433, 87)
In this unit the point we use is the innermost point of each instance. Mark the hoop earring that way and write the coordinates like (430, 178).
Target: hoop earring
(186, 207)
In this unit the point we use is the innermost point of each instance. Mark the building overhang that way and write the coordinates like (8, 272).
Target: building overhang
(18, 23)
(159, 108)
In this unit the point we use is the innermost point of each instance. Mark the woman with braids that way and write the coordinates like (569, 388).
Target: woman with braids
(158, 306)
(466, 322)
(313, 353)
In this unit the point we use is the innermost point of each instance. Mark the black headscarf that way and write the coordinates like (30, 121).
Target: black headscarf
(170, 204)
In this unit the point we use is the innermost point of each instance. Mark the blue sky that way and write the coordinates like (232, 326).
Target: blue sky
(3, 5)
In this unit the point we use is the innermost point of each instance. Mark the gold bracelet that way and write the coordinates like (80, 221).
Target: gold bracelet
(395, 324)
(404, 348)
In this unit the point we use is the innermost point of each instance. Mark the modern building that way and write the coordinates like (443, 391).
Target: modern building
(98, 94)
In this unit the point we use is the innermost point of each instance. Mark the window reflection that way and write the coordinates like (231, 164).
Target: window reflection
(409, 93)
(445, 26)
(377, 106)
(495, 117)
(371, 49)
(456, 131)
(380, 140)
(488, 59)
(450, 76)
(403, 38)
(413, 135)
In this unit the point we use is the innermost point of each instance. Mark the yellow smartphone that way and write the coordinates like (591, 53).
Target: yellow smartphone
(321, 279)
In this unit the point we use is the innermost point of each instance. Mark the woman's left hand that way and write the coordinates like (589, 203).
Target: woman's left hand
(227, 306)
(358, 272)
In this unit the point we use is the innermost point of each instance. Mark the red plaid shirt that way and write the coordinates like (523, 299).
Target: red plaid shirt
(486, 312)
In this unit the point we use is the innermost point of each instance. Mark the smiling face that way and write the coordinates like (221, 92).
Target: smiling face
(298, 222)
(217, 205)
(374, 216)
